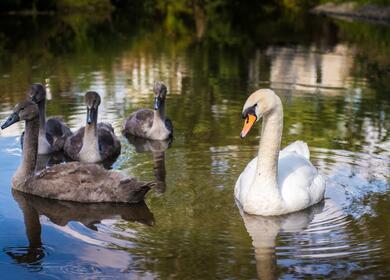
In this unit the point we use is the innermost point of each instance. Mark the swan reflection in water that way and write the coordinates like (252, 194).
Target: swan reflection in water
(264, 230)
(157, 148)
(61, 213)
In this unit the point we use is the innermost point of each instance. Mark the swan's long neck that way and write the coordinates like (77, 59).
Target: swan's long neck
(159, 115)
(42, 116)
(90, 134)
(30, 151)
(271, 134)
(90, 150)
(159, 130)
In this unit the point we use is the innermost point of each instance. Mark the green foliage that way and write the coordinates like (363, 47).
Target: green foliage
(298, 5)
(57, 5)
(174, 12)
(83, 5)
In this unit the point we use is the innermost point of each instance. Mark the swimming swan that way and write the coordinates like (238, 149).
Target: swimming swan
(151, 124)
(73, 181)
(53, 132)
(96, 142)
(275, 183)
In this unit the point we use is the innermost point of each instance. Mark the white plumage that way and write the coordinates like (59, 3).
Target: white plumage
(297, 184)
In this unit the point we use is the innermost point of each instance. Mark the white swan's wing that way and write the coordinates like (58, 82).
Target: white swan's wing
(299, 181)
(299, 147)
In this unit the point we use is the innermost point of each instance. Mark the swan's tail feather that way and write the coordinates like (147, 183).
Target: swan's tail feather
(317, 188)
(299, 147)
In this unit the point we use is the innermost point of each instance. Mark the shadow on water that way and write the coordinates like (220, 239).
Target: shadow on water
(157, 148)
(63, 212)
(264, 231)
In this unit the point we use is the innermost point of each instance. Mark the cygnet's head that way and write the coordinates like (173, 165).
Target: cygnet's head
(37, 92)
(160, 92)
(25, 110)
(257, 105)
(92, 101)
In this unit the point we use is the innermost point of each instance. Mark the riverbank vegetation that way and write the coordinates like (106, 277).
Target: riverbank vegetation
(168, 8)
(221, 25)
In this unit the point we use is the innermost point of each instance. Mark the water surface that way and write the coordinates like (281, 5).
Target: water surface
(332, 77)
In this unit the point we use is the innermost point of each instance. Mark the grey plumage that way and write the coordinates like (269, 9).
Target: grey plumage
(139, 123)
(53, 130)
(99, 138)
(73, 181)
(84, 182)
(151, 124)
(57, 133)
(109, 145)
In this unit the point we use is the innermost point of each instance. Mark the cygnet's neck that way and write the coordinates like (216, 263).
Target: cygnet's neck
(271, 134)
(29, 153)
(159, 130)
(42, 116)
(159, 115)
(90, 150)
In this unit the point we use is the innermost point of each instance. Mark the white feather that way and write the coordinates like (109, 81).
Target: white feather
(298, 184)
(299, 147)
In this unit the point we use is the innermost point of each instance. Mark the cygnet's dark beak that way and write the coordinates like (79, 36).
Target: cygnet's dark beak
(157, 103)
(89, 115)
(13, 118)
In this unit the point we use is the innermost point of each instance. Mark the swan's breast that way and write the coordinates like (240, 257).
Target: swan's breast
(245, 180)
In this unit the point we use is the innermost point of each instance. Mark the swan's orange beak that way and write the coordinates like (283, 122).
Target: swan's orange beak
(249, 121)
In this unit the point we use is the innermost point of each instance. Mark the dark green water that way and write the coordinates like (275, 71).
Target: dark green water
(333, 78)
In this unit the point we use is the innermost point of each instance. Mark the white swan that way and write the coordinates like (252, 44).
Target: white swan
(275, 183)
